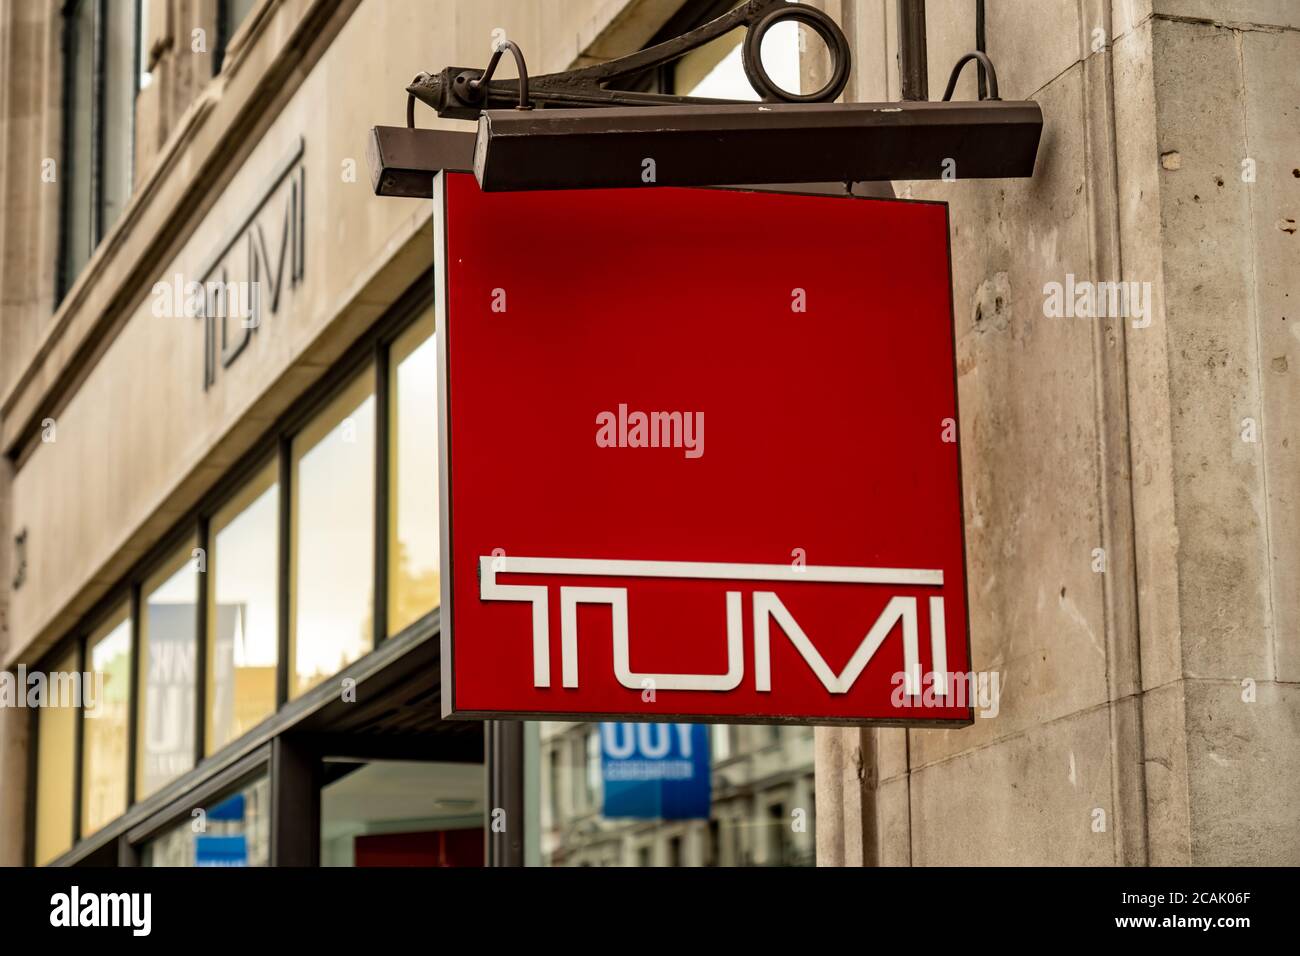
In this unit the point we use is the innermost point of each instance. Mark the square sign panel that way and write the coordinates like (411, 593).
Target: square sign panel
(699, 457)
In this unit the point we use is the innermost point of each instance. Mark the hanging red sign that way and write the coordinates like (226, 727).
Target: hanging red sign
(699, 457)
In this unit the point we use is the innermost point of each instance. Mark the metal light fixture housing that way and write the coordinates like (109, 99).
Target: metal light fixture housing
(574, 130)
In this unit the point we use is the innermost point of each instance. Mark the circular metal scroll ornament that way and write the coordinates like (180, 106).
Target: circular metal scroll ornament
(826, 28)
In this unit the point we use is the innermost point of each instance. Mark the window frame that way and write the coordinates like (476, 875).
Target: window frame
(231, 779)
(123, 596)
(233, 485)
(64, 279)
(146, 817)
(141, 638)
(385, 515)
(31, 815)
(364, 364)
(226, 31)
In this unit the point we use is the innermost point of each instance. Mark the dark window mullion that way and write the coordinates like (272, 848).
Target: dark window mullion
(133, 695)
(282, 662)
(79, 738)
(201, 645)
(97, 96)
(33, 768)
(379, 603)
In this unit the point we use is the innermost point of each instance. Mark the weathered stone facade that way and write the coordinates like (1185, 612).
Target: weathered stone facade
(1149, 713)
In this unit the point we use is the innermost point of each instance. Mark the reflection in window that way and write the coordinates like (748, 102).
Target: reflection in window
(413, 541)
(332, 537)
(644, 806)
(721, 741)
(243, 610)
(56, 732)
(234, 831)
(105, 722)
(168, 650)
(401, 813)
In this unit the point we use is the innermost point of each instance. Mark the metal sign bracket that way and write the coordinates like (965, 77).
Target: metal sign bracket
(576, 129)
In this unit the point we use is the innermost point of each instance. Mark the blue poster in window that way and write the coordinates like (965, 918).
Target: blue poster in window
(229, 809)
(655, 771)
(220, 850)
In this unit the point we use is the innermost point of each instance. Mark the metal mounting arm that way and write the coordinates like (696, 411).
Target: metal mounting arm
(576, 130)
(462, 92)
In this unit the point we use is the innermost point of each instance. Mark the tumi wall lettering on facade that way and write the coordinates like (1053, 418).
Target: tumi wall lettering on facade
(244, 281)
(807, 567)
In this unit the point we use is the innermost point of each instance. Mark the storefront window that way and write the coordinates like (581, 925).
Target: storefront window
(56, 733)
(413, 541)
(105, 722)
(233, 831)
(644, 794)
(332, 537)
(167, 681)
(243, 610)
(401, 813)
